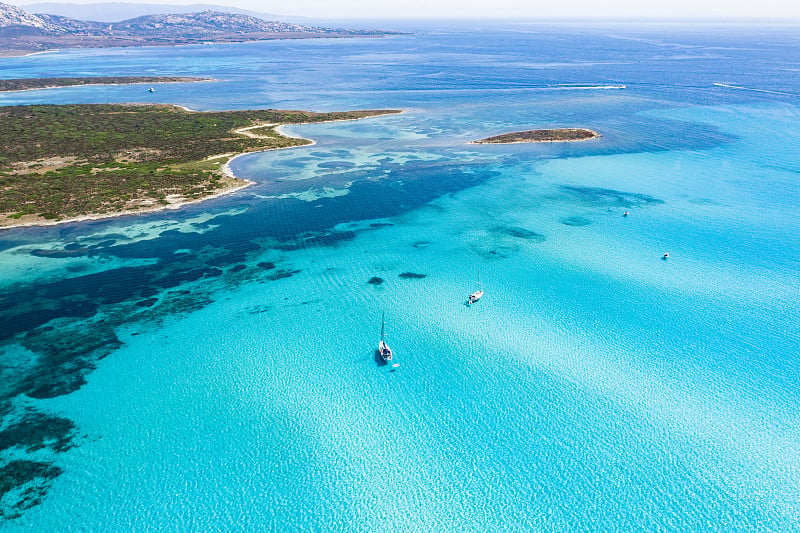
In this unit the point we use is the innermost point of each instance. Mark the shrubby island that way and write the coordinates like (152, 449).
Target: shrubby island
(541, 136)
(78, 161)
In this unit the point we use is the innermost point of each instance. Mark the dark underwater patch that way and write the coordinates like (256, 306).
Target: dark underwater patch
(61, 254)
(336, 165)
(519, 233)
(575, 221)
(258, 309)
(67, 354)
(24, 481)
(412, 275)
(375, 280)
(282, 274)
(323, 238)
(496, 252)
(147, 292)
(37, 431)
(76, 269)
(231, 254)
(266, 265)
(29, 480)
(599, 196)
(294, 163)
(702, 201)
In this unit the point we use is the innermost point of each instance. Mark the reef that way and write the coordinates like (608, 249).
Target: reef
(575, 221)
(600, 197)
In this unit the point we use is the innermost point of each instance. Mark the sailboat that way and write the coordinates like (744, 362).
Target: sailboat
(477, 295)
(383, 348)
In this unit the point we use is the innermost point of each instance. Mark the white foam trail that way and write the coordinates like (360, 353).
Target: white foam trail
(728, 86)
(587, 87)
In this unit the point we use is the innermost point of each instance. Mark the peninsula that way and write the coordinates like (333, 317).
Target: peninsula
(80, 161)
(541, 136)
(27, 84)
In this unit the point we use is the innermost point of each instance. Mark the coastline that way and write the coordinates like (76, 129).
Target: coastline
(24, 53)
(225, 170)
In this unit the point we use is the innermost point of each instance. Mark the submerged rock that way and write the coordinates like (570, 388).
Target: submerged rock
(23, 484)
(575, 221)
(609, 197)
(520, 233)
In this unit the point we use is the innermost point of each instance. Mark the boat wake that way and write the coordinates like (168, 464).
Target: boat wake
(753, 89)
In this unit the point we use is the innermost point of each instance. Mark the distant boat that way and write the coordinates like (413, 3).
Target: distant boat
(152, 90)
(477, 295)
(383, 348)
(665, 256)
(474, 297)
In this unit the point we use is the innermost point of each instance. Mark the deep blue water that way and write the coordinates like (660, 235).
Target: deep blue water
(213, 367)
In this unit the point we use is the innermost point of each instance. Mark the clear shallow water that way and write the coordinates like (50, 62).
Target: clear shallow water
(214, 367)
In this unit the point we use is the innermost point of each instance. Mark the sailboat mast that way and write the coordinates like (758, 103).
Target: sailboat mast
(383, 321)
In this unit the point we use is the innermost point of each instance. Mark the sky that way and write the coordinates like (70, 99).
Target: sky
(777, 10)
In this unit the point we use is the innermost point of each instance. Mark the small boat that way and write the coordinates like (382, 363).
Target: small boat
(152, 90)
(383, 348)
(474, 297)
(625, 214)
(665, 256)
(477, 295)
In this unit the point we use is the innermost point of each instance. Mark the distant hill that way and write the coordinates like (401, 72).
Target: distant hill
(18, 20)
(24, 31)
(116, 11)
(205, 23)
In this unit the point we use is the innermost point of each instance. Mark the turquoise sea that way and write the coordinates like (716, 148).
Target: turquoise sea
(213, 368)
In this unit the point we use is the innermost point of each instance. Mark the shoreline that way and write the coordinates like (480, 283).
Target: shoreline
(24, 53)
(224, 169)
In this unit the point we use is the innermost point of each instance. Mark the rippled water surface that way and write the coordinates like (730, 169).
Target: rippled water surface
(214, 367)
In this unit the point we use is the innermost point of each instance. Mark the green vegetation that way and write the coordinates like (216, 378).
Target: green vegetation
(23, 84)
(62, 161)
(541, 136)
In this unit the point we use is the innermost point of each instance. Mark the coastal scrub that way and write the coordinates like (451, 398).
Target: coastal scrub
(67, 161)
